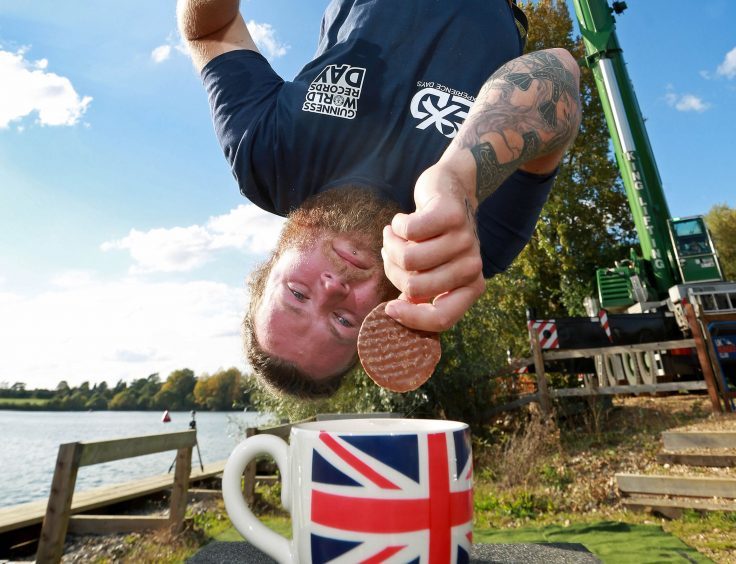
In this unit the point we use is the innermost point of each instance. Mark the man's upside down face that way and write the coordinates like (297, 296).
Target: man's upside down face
(310, 298)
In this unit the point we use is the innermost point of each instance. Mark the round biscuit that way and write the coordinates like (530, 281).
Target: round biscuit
(396, 357)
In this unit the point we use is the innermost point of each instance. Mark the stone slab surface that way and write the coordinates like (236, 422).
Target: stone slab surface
(549, 553)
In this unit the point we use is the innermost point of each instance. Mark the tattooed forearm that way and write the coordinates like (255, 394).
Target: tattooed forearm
(490, 172)
(529, 108)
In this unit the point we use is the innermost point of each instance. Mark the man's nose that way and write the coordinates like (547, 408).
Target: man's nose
(335, 286)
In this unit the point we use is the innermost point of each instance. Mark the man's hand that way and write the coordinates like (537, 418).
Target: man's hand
(433, 255)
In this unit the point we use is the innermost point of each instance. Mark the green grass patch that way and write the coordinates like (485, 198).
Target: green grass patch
(711, 532)
(22, 402)
(612, 542)
(520, 504)
(267, 508)
(282, 525)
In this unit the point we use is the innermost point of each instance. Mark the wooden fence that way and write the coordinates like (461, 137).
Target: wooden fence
(645, 378)
(72, 456)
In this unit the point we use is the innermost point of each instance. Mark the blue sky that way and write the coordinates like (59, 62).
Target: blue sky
(124, 242)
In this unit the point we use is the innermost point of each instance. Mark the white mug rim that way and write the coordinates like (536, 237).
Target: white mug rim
(380, 426)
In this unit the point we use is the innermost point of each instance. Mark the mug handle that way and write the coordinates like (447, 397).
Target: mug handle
(240, 514)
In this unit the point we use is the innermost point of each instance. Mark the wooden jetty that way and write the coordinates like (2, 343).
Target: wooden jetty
(19, 516)
(62, 513)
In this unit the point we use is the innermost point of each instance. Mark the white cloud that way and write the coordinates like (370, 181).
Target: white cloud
(265, 38)
(686, 102)
(728, 67)
(161, 53)
(28, 88)
(119, 330)
(246, 228)
(263, 34)
(73, 279)
(165, 250)
(143, 355)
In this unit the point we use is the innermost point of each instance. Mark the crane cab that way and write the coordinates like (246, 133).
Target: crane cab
(695, 255)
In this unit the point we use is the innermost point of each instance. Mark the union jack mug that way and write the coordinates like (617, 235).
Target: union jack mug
(364, 490)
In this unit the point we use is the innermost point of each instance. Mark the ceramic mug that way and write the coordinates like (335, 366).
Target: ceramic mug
(363, 490)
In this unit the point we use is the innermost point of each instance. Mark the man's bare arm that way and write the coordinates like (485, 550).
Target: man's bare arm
(525, 117)
(211, 28)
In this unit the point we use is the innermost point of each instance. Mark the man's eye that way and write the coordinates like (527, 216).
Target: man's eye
(298, 295)
(343, 321)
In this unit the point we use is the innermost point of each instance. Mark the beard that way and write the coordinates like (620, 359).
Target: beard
(352, 211)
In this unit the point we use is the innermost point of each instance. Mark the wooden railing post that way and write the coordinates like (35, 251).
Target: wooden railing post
(249, 474)
(703, 357)
(178, 504)
(542, 388)
(53, 531)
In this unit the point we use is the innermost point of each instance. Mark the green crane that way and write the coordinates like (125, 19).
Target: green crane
(674, 251)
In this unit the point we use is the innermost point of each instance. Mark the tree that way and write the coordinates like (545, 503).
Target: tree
(177, 393)
(721, 221)
(125, 400)
(144, 391)
(74, 401)
(62, 388)
(97, 402)
(17, 390)
(103, 391)
(221, 391)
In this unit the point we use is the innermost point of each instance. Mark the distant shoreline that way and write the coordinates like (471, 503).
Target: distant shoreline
(35, 407)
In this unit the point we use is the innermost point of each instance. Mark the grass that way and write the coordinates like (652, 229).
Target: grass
(22, 401)
(280, 524)
(713, 533)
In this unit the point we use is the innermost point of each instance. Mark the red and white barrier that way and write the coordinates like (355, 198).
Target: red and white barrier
(603, 318)
(546, 332)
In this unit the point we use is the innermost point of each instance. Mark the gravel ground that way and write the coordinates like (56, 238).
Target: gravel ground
(121, 547)
(726, 422)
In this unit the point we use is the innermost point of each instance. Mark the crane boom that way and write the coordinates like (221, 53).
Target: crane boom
(630, 141)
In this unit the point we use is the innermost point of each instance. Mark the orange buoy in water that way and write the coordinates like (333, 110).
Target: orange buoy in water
(166, 418)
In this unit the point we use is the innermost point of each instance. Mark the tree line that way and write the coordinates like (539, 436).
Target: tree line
(182, 390)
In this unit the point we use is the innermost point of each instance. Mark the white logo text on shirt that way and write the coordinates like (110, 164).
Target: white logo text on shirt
(335, 91)
(443, 107)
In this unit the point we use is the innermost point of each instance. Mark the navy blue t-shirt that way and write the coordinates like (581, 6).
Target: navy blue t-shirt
(388, 88)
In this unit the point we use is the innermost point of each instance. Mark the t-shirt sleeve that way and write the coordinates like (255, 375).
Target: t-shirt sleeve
(242, 89)
(507, 218)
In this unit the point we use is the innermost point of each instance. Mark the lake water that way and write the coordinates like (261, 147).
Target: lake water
(30, 442)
